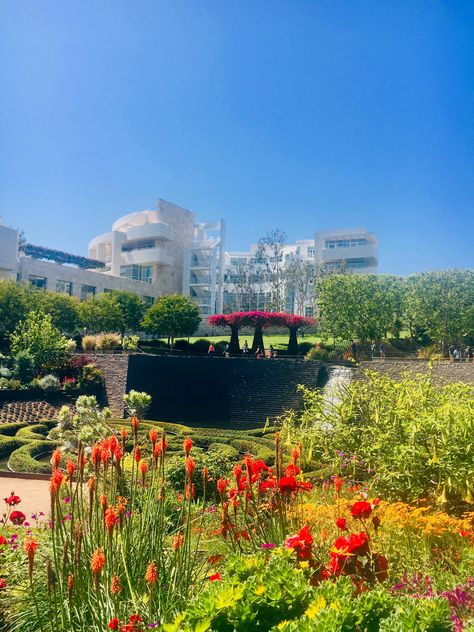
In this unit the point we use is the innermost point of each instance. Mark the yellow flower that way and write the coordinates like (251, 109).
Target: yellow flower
(315, 607)
(260, 590)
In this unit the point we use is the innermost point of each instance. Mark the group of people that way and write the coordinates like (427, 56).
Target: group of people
(259, 353)
(458, 355)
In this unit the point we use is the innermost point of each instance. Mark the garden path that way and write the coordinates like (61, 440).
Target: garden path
(34, 494)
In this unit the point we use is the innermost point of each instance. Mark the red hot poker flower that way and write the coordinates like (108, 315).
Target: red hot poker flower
(338, 482)
(222, 485)
(361, 509)
(153, 434)
(97, 561)
(134, 421)
(70, 467)
(110, 519)
(56, 458)
(137, 454)
(151, 575)
(190, 465)
(115, 585)
(187, 445)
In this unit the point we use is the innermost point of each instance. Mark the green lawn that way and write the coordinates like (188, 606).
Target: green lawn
(278, 341)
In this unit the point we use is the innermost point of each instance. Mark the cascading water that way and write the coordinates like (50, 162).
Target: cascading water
(339, 378)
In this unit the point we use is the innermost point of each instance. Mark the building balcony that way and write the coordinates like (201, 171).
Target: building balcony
(155, 230)
(147, 256)
(336, 254)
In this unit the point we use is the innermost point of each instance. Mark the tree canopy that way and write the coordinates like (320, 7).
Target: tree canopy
(172, 316)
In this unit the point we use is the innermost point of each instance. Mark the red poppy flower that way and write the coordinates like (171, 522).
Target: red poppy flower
(361, 509)
(3, 583)
(353, 544)
(287, 484)
(3, 540)
(341, 524)
(301, 543)
(305, 486)
(258, 466)
(113, 624)
(17, 517)
(216, 577)
(13, 500)
(292, 470)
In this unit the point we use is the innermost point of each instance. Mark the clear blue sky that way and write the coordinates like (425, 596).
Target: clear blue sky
(297, 114)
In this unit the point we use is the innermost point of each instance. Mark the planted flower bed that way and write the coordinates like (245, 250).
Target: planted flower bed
(130, 546)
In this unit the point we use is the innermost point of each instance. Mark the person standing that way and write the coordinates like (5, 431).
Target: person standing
(451, 351)
(373, 348)
(211, 351)
(273, 352)
(245, 347)
(259, 353)
(354, 349)
(382, 349)
(227, 351)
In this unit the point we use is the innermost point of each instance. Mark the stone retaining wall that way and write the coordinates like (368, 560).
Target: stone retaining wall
(442, 372)
(115, 369)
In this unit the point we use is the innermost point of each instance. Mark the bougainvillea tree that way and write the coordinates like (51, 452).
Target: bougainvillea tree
(234, 320)
(294, 323)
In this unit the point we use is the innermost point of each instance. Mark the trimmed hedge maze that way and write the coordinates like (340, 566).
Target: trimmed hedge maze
(25, 447)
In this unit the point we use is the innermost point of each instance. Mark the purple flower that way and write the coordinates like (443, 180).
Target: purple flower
(67, 500)
(267, 545)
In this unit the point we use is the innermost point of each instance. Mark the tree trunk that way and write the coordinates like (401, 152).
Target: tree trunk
(234, 347)
(258, 340)
(293, 341)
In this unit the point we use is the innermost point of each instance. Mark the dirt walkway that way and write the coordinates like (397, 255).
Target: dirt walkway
(34, 494)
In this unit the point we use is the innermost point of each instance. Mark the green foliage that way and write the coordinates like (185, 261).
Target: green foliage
(442, 304)
(24, 367)
(270, 594)
(359, 306)
(49, 383)
(318, 353)
(107, 341)
(90, 378)
(61, 307)
(130, 343)
(100, 313)
(38, 337)
(13, 309)
(172, 316)
(7, 383)
(439, 305)
(410, 438)
(84, 423)
(219, 465)
(132, 310)
(137, 403)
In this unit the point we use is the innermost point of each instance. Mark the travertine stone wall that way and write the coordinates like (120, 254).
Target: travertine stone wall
(115, 368)
(442, 372)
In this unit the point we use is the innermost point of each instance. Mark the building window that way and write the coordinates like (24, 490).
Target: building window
(38, 282)
(345, 243)
(64, 287)
(107, 291)
(148, 300)
(356, 263)
(309, 312)
(137, 273)
(143, 244)
(86, 291)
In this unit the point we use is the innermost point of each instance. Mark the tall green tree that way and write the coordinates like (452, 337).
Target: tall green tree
(62, 308)
(100, 314)
(172, 316)
(442, 304)
(41, 340)
(13, 308)
(132, 308)
(359, 306)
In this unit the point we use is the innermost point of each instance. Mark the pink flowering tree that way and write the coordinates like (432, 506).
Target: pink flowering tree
(235, 320)
(294, 323)
(260, 321)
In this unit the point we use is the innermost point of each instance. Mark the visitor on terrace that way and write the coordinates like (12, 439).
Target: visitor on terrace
(245, 347)
(272, 352)
(259, 353)
(211, 351)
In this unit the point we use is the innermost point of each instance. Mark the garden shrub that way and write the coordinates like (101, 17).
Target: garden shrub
(6, 383)
(219, 465)
(224, 451)
(304, 348)
(9, 445)
(49, 383)
(317, 353)
(34, 431)
(107, 341)
(24, 459)
(24, 367)
(183, 345)
(201, 346)
(88, 343)
(90, 379)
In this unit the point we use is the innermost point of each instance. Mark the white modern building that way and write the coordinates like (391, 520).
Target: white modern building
(352, 248)
(8, 252)
(245, 279)
(151, 253)
(167, 251)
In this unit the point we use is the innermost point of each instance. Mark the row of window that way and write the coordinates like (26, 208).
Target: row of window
(352, 264)
(66, 287)
(344, 243)
(137, 273)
